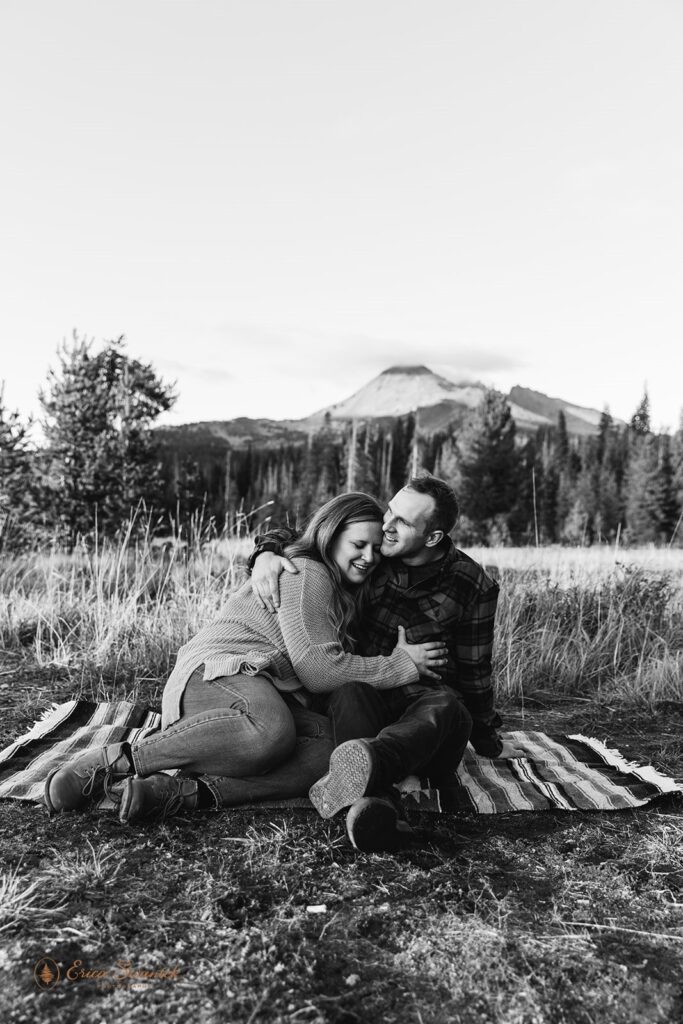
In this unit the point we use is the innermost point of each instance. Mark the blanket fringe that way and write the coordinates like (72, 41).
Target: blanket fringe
(50, 718)
(617, 760)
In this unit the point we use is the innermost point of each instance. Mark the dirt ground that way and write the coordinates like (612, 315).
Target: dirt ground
(516, 919)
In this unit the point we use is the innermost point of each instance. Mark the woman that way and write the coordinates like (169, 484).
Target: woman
(240, 711)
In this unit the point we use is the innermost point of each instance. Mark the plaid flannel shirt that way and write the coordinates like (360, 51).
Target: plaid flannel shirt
(453, 600)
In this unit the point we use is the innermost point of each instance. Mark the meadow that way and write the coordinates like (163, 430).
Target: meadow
(270, 915)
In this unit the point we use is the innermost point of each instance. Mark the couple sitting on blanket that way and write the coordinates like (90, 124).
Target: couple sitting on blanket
(271, 701)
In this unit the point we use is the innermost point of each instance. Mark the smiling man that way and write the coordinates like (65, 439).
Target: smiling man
(436, 592)
(412, 523)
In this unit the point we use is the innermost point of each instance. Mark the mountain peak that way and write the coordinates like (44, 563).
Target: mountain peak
(402, 389)
(413, 371)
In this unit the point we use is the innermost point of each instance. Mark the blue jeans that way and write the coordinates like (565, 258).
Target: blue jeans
(245, 740)
(414, 730)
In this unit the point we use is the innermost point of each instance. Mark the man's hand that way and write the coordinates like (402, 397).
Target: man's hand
(426, 656)
(265, 578)
(485, 738)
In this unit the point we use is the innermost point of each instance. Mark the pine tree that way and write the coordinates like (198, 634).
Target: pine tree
(365, 476)
(487, 467)
(446, 464)
(578, 523)
(523, 518)
(640, 421)
(677, 467)
(99, 408)
(566, 490)
(562, 445)
(604, 431)
(547, 488)
(323, 472)
(18, 480)
(668, 508)
(565, 469)
(647, 505)
(608, 512)
(609, 472)
(401, 449)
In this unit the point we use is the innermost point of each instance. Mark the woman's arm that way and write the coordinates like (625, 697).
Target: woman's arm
(313, 646)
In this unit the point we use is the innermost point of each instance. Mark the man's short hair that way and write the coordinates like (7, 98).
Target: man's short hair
(446, 508)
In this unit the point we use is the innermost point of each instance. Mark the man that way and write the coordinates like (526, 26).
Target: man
(435, 591)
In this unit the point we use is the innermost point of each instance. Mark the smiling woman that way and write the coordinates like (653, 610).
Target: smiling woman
(357, 550)
(347, 538)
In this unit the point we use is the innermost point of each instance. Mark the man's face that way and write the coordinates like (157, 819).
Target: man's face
(405, 524)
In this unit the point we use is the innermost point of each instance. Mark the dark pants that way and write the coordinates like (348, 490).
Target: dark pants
(415, 730)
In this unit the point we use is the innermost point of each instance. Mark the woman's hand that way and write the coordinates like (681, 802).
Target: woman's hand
(426, 657)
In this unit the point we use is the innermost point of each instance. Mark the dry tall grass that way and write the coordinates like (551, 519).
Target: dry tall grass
(580, 621)
(122, 611)
(611, 636)
(575, 564)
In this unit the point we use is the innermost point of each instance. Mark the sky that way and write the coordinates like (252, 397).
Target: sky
(275, 200)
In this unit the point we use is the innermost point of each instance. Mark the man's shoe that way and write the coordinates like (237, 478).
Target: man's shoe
(374, 825)
(73, 786)
(157, 796)
(352, 774)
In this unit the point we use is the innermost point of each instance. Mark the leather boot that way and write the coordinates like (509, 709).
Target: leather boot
(376, 824)
(81, 782)
(156, 796)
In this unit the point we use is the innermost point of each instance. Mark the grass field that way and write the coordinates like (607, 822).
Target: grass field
(271, 916)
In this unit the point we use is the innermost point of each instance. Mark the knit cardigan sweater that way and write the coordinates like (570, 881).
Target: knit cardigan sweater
(298, 649)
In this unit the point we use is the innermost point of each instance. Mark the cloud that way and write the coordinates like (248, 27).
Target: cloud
(313, 353)
(481, 360)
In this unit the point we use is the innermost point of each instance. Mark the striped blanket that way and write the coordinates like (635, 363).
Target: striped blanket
(535, 772)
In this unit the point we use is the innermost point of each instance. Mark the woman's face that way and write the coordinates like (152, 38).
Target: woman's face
(356, 550)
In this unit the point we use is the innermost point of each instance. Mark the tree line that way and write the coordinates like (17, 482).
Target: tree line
(100, 459)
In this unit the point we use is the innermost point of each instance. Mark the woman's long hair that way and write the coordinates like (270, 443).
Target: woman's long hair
(317, 542)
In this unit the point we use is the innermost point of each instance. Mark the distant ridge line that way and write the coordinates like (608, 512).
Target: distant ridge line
(441, 405)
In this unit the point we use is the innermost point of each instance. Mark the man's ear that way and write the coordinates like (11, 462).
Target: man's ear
(434, 538)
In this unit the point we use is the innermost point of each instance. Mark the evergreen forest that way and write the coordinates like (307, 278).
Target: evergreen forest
(103, 457)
